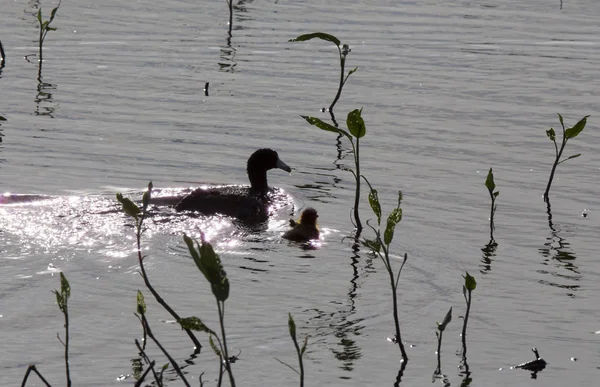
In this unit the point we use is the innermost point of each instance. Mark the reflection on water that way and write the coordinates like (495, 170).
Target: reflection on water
(489, 252)
(558, 254)
(44, 105)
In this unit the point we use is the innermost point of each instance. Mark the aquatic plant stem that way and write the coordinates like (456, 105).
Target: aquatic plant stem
(34, 369)
(158, 298)
(465, 321)
(394, 286)
(66, 344)
(342, 81)
(300, 362)
(359, 226)
(558, 154)
(225, 351)
(164, 351)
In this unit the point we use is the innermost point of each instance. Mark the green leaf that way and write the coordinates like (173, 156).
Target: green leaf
(129, 207)
(374, 245)
(65, 288)
(60, 301)
(141, 303)
(51, 29)
(392, 221)
(561, 120)
(446, 321)
(496, 194)
(352, 71)
(53, 13)
(551, 134)
(570, 157)
(292, 326)
(213, 346)
(39, 16)
(209, 264)
(356, 124)
(165, 366)
(375, 206)
(146, 197)
(325, 126)
(304, 345)
(2, 118)
(489, 181)
(470, 283)
(195, 324)
(320, 35)
(575, 130)
(400, 197)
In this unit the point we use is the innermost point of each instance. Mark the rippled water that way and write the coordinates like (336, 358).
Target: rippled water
(449, 89)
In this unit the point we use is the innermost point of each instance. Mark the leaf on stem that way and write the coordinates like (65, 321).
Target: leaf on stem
(213, 346)
(575, 130)
(569, 158)
(146, 196)
(210, 265)
(356, 124)
(292, 326)
(375, 206)
(561, 120)
(325, 126)
(489, 181)
(392, 221)
(141, 303)
(470, 282)
(551, 134)
(129, 207)
(195, 324)
(446, 321)
(320, 35)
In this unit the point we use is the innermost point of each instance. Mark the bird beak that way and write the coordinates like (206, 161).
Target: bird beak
(281, 165)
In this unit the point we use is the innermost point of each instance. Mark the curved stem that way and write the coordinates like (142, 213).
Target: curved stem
(339, 92)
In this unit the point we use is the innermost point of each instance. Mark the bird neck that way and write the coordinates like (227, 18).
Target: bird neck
(258, 181)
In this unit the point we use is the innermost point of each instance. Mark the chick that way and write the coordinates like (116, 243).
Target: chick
(306, 229)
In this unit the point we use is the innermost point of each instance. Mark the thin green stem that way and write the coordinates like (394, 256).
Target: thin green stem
(68, 372)
(222, 322)
(339, 92)
(359, 226)
(299, 352)
(465, 321)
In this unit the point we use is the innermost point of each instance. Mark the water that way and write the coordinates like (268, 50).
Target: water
(449, 89)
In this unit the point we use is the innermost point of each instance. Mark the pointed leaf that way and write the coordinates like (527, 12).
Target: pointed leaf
(53, 13)
(496, 194)
(400, 197)
(129, 207)
(373, 244)
(146, 197)
(551, 134)
(446, 321)
(570, 157)
(165, 366)
(561, 120)
(392, 221)
(292, 326)
(352, 71)
(65, 288)
(320, 35)
(470, 283)
(209, 264)
(141, 303)
(60, 300)
(356, 124)
(325, 126)
(575, 130)
(304, 346)
(39, 16)
(195, 324)
(213, 346)
(489, 181)
(375, 206)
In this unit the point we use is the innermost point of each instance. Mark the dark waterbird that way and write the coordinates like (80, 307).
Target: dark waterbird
(305, 229)
(241, 202)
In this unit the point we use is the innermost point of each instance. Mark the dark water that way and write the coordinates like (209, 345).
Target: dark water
(449, 89)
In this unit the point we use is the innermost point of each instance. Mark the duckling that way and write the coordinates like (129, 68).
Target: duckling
(242, 202)
(306, 229)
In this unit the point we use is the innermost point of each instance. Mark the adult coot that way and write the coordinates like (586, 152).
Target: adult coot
(242, 202)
